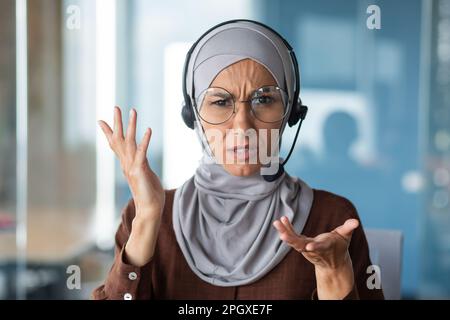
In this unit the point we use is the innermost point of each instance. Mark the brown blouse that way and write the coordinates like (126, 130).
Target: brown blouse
(168, 276)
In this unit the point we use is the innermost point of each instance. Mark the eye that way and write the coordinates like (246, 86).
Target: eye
(221, 103)
(263, 100)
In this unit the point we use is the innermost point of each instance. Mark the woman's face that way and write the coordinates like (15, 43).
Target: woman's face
(241, 79)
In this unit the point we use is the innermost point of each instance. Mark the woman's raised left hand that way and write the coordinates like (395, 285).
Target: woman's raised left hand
(329, 254)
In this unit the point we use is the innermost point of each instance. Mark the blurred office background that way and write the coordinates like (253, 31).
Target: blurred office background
(378, 129)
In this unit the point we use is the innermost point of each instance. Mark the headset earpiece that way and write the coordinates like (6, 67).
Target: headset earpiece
(295, 115)
(298, 112)
(188, 115)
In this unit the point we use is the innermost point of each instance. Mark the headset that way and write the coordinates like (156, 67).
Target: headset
(298, 110)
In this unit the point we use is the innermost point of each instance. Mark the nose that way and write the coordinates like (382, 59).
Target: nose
(243, 119)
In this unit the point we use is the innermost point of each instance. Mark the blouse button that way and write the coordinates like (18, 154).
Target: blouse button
(127, 296)
(132, 276)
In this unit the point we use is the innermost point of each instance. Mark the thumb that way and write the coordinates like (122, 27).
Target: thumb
(346, 230)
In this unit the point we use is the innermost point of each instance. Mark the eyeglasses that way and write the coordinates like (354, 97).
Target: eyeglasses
(216, 105)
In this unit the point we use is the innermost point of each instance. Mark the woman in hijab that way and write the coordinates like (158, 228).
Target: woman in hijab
(229, 232)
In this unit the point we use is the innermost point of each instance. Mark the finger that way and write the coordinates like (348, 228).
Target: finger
(279, 226)
(346, 230)
(118, 129)
(290, 229)
(141, 153)
(131, 130)
(298, 242)
(288, 224)
(106, 129)
(284, 233)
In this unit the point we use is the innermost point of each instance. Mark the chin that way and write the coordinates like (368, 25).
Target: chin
(242, 170)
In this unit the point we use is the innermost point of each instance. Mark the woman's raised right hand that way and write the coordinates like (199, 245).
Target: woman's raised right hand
(145, 186)
(146, 189)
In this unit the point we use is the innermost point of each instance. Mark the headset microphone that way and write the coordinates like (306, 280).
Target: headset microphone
(279, 173)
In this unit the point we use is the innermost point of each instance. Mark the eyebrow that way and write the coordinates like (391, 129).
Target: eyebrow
(220, 94)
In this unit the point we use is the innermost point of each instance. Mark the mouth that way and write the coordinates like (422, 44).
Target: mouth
(241, 153)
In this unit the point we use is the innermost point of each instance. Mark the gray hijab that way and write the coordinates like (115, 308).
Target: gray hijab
(223, 223)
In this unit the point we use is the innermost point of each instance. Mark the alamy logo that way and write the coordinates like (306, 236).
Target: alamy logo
(73, 21)
(374, 280)
(374, 20)
(74, 280)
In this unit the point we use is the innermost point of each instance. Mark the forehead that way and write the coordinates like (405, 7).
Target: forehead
(245, 72)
